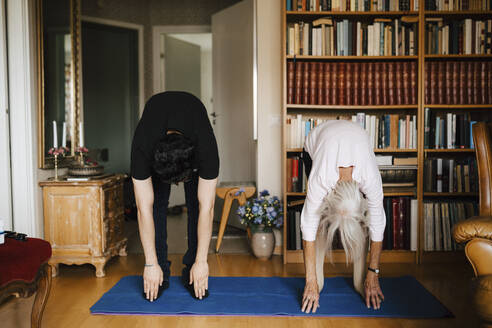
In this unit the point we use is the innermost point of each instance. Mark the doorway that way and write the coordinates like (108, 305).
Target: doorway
(183, 61)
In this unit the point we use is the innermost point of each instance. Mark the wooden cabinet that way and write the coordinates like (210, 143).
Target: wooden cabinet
(84, 221)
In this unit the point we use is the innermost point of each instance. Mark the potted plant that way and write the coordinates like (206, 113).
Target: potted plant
(261, 214)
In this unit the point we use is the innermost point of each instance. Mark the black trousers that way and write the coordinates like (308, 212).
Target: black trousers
(161, 201)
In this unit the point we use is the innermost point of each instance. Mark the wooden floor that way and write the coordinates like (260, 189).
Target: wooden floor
(77, 289)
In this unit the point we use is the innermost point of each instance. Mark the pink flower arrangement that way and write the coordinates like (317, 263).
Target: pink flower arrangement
(81, 150)
(58, 151)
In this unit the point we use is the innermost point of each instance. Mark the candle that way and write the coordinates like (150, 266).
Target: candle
(55, 136)
(81, 135)
(64, 135)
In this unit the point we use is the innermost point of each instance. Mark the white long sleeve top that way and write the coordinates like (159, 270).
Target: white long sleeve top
(335, 144)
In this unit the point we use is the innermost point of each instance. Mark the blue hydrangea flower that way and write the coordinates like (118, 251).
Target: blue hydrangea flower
(255, 209)
(264, 193)
(260, 211)
(273, 214)
(257, 220)
(270, 209)
(241, 210)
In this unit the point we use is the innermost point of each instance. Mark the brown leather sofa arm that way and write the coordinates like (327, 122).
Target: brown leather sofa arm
(474, 227)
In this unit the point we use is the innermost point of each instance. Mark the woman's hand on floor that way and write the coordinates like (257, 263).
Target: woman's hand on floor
(152, 279)
(310, 298)
(373, 292)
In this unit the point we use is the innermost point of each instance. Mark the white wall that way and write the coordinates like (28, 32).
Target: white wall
(269, 158)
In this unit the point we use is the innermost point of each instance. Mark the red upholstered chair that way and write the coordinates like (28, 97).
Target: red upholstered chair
(24, 269)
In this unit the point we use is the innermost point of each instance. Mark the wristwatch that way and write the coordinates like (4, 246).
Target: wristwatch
(376, 271)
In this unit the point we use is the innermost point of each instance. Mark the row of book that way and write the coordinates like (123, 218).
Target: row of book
(464, 37)
(447, 130)
(458, 5)
(400, 232)
(296, 180)
(401, 223)
(458, 82)
(384, 131)
(450, 175)
(294, 234)
(439, 219)
(329, 37)
(340, 83)
(352, 5)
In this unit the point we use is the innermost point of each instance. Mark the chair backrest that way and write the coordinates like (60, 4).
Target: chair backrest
(482, 138)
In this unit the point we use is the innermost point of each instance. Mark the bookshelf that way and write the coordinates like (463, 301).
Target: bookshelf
(479, 111)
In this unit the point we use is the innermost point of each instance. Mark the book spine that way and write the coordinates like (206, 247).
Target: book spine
(391, 83)
(406, 83)
(363, 84)
(377, 83)
(327, 83)
(399, 83)
(370, 84)
(349, 84)
(298, 83)
(384, 84)
(448, 89)
(334, 83)
(305, 82)
(396, 223)
(321, 79)
(342, 97)
(440, 82)
(471, 83)
(290, 82)
(413, 83)
(356, 84)
(313, 83)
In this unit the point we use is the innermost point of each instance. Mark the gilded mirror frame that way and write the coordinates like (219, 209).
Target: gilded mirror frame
(47, 162)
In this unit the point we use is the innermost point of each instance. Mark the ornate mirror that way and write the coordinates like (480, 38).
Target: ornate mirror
(59, 82)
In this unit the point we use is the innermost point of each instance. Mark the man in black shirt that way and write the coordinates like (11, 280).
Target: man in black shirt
(174, 142)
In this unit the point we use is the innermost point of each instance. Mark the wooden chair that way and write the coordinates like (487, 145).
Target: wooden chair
(476, 231)
(25, 271)
(229, 191)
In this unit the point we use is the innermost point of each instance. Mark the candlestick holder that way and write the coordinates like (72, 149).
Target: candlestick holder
(81, 159)
(56, 152)
(56, 167)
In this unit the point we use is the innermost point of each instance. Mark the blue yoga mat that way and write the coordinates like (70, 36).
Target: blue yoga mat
(405, 297)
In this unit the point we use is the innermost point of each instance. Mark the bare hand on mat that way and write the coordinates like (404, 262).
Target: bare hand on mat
(373, 292)
(152, 278)
(310, 299)
(199, 278)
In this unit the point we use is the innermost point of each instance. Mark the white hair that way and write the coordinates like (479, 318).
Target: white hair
(345, 210)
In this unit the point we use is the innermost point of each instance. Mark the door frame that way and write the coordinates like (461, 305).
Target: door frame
(5, 172)
(156, 48)
(140, 29)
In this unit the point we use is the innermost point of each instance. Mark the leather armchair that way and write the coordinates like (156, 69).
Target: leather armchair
(477, 231)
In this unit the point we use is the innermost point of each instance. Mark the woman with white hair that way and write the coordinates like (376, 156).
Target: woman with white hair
(345, 193)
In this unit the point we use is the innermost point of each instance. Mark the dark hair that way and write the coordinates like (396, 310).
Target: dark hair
(173, 158)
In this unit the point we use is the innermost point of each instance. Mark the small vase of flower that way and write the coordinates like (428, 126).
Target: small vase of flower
(261, 215)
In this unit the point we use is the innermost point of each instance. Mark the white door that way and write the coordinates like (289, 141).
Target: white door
(232, 62)
(5, 186)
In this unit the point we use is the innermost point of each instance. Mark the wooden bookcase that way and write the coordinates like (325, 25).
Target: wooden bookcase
(388, 256)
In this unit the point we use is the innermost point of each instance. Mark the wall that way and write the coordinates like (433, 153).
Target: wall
(269, 160)
(154, 12)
